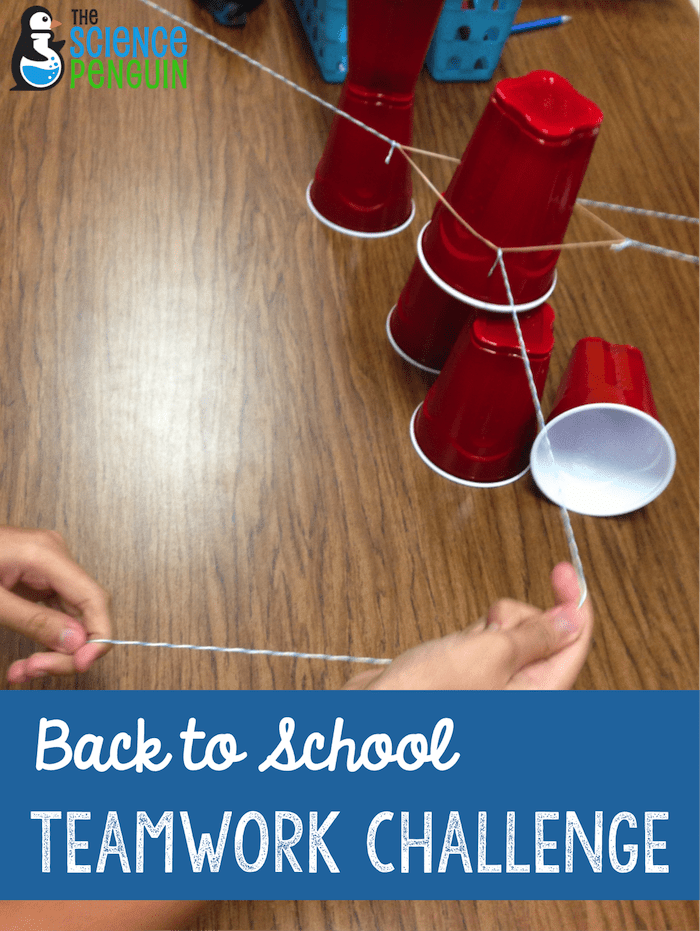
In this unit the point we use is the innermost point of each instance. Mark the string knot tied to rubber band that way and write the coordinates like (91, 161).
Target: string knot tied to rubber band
(405, 149)
(499, 257)
(619, 246)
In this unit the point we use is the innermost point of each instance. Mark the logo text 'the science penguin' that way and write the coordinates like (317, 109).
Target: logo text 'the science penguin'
(126, 56)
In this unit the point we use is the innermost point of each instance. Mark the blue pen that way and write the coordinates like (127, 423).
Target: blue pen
(539, 24)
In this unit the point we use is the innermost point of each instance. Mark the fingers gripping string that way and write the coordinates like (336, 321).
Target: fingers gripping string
(329, 657)
(566, 520)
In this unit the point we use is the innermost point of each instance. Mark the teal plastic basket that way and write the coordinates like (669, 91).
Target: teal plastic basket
(325, 23)
(469, 39)
(466, 46)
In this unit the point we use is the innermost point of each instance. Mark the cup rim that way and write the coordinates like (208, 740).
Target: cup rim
(455, 478)
(474, 302)
(559, 498)
(358, 233)
(400, 351)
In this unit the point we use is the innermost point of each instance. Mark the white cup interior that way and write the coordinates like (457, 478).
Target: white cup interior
(605, 459)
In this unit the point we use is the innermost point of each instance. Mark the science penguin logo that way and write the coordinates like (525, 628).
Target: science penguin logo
(37, 63)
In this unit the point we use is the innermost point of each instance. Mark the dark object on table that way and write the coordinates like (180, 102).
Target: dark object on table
(229, 12)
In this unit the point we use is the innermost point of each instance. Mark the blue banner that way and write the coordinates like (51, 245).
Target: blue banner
(350, 795)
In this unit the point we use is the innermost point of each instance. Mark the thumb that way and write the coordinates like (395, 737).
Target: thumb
(43, 625)
(545, 634)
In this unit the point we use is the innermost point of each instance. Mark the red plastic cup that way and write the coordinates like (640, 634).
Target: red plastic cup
(478, 421)
(424, 324)
(516, 185)
(603, 451)
(354, 190)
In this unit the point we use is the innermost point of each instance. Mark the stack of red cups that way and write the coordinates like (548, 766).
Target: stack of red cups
(516, 186)
(355, 189)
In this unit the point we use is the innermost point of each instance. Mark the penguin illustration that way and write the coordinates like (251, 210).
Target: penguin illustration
(37, 63)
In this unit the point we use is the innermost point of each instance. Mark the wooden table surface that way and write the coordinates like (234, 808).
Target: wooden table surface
(197, 391)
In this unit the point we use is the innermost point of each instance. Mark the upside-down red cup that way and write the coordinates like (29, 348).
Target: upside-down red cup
(516, 185)
(603, 451)
(354, 189)
(478, 421)
(425, 322)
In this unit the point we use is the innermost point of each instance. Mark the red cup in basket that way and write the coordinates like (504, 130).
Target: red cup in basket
(478, 421)
(354, 190)
(603, 451)
(516, 185)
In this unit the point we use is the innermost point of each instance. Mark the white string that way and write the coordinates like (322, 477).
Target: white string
(213, 649)
(393, 144)
(568, 530)
(669, 253)
(566, 520)
(274, 74)
(640, 210)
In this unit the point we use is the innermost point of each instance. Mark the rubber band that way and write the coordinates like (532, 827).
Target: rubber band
(405, 149)
(472, 301)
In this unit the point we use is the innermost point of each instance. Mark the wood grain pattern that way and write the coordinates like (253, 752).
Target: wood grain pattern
(197, 391)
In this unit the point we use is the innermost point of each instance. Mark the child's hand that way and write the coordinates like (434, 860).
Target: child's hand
(515, 646)
(45, 595)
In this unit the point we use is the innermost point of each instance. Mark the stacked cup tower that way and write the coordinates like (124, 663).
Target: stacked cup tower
(355, 189)
(516, 186)
(515, 189)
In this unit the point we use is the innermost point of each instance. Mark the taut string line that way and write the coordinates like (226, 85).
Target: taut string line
(571, 540)
(563, 513)
(621, 242)
(211, 649)
(618, 243)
